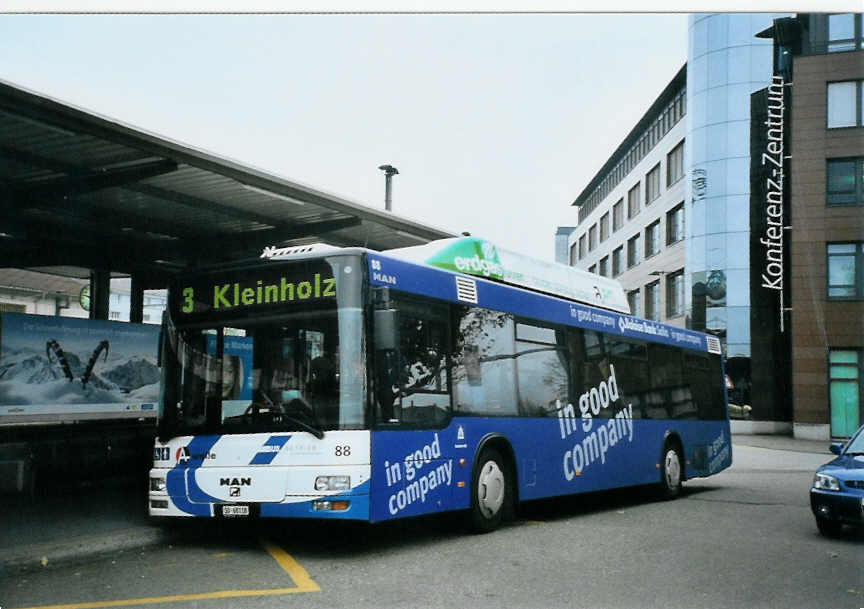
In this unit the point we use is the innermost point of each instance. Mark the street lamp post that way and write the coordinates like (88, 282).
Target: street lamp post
(389, 172)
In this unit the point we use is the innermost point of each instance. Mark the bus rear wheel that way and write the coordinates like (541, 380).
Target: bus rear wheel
(490, 492)
(671, 472)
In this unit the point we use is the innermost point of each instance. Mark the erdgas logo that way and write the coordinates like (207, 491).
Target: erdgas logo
(477, 265)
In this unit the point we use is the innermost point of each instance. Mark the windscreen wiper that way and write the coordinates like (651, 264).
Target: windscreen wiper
(318, 433)
(302, 407)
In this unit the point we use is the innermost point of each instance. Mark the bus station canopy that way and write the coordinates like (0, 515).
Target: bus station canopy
(81, 192)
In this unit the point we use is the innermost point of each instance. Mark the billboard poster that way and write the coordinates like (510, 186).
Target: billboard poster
(59, 369)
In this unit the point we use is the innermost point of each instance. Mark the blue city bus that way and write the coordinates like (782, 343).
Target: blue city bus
(325, 382)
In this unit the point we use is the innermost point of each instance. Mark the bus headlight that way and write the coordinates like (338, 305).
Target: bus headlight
(157, 484)
(333, 483)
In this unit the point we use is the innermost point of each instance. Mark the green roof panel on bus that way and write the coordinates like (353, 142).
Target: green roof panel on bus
(475, 256)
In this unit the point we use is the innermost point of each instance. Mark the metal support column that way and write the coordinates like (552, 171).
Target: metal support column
(100, 291)
(136, 301)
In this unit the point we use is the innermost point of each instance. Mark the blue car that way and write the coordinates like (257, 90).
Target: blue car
(837, 496)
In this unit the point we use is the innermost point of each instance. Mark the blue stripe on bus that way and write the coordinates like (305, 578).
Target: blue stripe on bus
(440, 284)
(180, 482)
(266, 457)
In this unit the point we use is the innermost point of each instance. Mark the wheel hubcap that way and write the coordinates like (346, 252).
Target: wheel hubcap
(490, 489)
(673, 470)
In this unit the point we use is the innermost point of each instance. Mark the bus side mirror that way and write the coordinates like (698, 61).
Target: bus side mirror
(386, 329)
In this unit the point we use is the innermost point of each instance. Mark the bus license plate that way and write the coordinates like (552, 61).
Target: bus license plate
(235, 510)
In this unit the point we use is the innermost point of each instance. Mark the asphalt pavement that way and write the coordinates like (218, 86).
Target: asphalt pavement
(72, 524)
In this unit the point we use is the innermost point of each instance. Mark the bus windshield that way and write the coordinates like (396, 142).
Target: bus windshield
(274, 348)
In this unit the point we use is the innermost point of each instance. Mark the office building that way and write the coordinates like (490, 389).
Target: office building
(786, 305)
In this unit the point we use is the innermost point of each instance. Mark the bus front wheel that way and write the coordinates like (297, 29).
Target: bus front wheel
(490, 491)
(670, 471)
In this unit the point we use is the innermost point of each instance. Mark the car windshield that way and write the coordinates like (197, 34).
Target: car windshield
(856, 445)
(295, 364)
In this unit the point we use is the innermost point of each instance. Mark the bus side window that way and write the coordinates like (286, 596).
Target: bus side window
(412, 381)
(633, 378)
(542, 369)
(706, 384)
(668, 381)
(484, 366)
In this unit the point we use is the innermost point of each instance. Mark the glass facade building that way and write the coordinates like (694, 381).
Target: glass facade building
(726, 63)
(767, 255)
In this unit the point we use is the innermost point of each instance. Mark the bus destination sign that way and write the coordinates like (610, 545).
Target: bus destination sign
(230, 292)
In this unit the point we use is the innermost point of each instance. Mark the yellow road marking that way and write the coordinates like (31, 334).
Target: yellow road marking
(291, 567)
(301, 578)
(171, 599)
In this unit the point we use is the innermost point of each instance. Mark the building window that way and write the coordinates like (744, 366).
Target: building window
(652, 301)
(574, 254)
(592, 269)
(844, 104)
(675, 164)
(633, 251)
(617, 261)
(604, 266)
(618, 215)
(845, 271)
(844, 179)
(633, 202)
(633, 301)
(592, 238)
(842, 34)
(8, 307)
(582, 250)
(652, 184)
(675, 294)
(675, 224)
(652, 239)
(604, 227)
(846, 390)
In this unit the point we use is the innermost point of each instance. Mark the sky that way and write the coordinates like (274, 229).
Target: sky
(495, 122)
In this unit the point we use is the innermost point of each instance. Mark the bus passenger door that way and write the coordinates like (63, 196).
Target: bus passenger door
(412, 384)
(413, 470)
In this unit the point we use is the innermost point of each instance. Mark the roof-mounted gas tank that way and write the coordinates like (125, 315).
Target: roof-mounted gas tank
(474, 256)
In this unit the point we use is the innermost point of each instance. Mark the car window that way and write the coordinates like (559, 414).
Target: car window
(856, 445)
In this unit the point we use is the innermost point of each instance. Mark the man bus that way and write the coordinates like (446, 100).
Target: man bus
(328, 382)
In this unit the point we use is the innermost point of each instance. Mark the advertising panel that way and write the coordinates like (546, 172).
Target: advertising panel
(58, 370)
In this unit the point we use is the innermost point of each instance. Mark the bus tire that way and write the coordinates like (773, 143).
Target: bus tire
(490, 492)
(671, 471)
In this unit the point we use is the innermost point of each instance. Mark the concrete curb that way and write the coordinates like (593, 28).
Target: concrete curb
(73, 550)
(787, 444)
